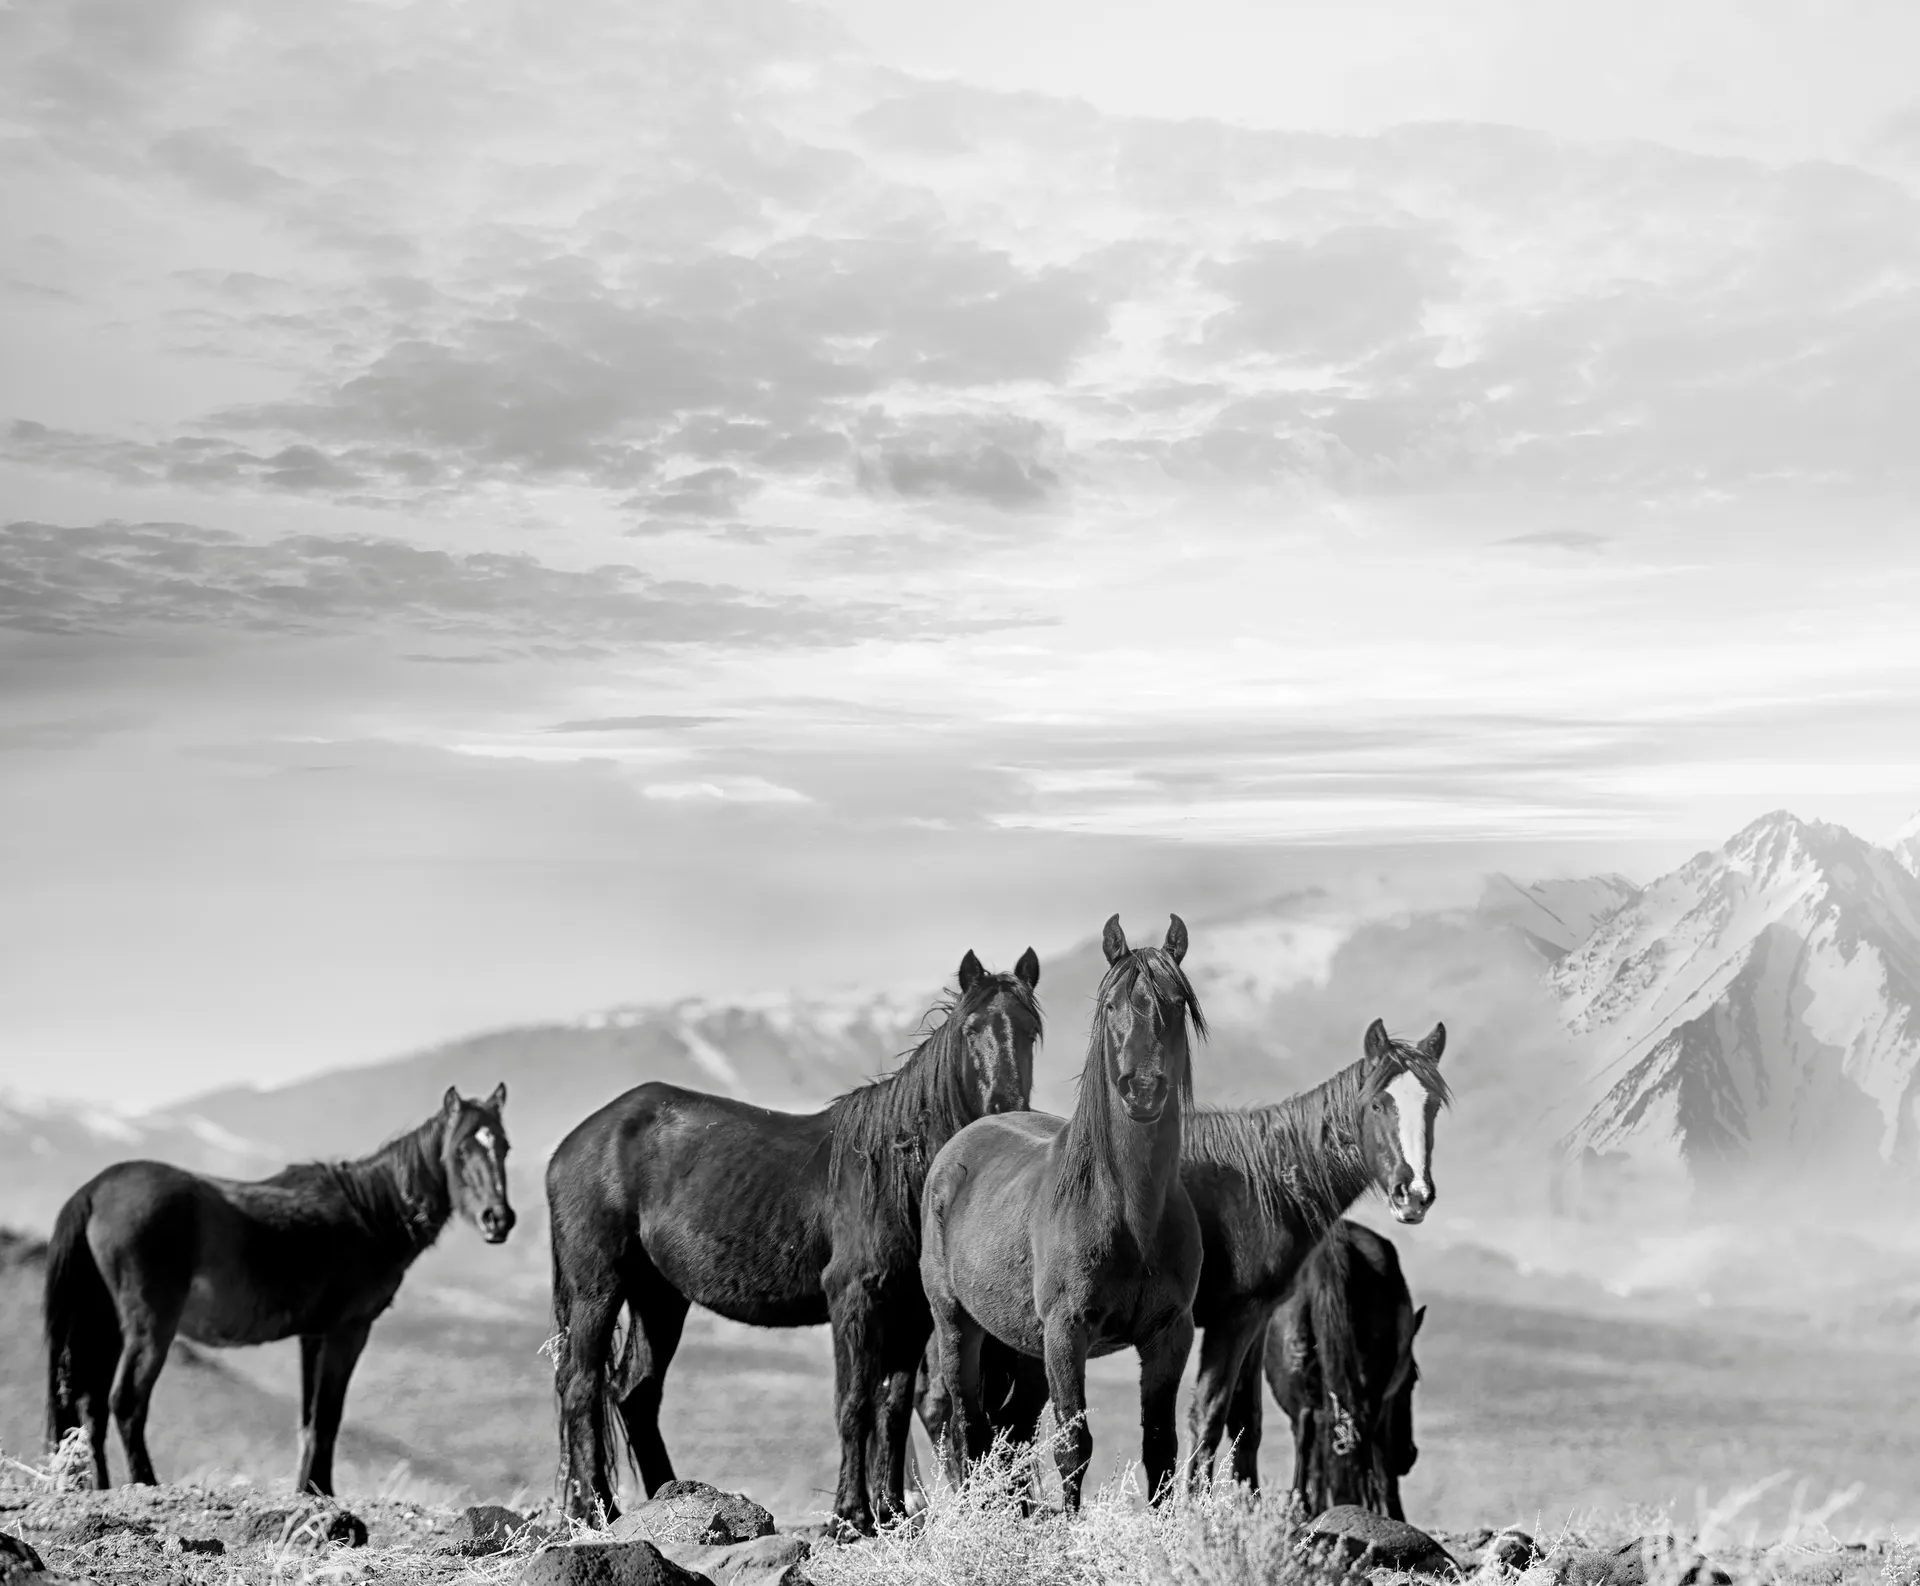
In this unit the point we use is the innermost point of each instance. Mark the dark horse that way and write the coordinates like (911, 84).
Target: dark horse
(1339, 1358)
(666, 1198)
(1267, 1184)
(144, 1252)
(1065, 1238)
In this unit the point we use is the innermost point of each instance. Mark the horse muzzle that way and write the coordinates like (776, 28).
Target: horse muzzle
(496, 1222)
(1409, 1205)
(1146, 1099)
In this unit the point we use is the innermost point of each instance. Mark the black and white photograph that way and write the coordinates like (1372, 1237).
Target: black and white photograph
(857, 793)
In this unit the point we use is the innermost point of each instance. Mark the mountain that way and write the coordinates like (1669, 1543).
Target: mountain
(1906, 846)
(1754, 1016)
(1554, 917)
(48, 1150)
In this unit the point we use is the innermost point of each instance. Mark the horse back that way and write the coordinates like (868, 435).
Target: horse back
(726, 1201)
(235, 1262)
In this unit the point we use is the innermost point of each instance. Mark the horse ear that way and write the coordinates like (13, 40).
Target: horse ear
(1419, 1316)
(1176, 943)
(1113, 940)
(1028, 969)
(499, 1097)
(970, 972)
(1378, 1043)
(1435, 1043)
(450, 1103)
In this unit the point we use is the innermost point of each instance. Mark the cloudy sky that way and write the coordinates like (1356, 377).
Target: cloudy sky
(505, 509)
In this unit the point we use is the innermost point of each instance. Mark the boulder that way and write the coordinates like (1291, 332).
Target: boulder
(18, 1561)
(90, 1528)
(322, 1524)
(1371, 1541)
(606, 1564)
(488, 1528)
(1625, 1564)
(1511, 1549)
(765, 1561)
(691, 1512)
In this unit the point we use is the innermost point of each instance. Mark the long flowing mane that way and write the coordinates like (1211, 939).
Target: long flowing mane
(1302, 1154)
(1090, 1144)
(895, 1124)
(397, 1194)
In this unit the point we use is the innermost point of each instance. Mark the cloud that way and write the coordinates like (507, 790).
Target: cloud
(1560, 539)
(654, 723)
(995, 462)
(113, 577)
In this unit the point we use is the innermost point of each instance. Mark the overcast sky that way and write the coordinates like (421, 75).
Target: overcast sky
(506, 509)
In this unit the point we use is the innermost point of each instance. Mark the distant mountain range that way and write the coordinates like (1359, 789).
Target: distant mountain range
(1754, 1009)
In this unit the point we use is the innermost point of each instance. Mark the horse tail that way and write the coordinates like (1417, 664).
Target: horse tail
(607, 1375)
(1335, 1346)
(623, 1361)
(82, 1324)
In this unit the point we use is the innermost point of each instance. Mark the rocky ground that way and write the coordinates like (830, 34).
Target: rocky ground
(695, 1535)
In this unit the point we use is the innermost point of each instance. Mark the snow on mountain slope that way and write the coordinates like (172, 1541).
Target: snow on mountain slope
(1757, 1008)
(1555, 916)
(1906, 846)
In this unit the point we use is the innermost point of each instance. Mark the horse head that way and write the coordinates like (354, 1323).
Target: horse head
(474, 1155)
(1404, 1094)
(998, 1023)
(1141, 1020)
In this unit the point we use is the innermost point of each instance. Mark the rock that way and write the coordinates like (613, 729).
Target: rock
(1625, 1564)
(322, 1524)
(693, 1512)
(90, 1528)
(1513, 1550)
(487, 1528)
(765, 1561)
(1372, 1541)
(258, 1525)
(211, 1545)
(18, 1561)
(606, 1564)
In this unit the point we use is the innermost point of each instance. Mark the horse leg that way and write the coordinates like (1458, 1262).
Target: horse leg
(1021, 1409)
(902, 1345)
(309, 1374)
(1162, 1360)
(956, 1338)
(339, 1353)
(658, 1312)
(1223, 1352)
(850, 1311)
(1064, 1337)
(590, 1309)
(1244, 1415)
(142, 1355)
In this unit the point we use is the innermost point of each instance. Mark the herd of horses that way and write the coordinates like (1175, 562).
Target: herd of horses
(970, 1255)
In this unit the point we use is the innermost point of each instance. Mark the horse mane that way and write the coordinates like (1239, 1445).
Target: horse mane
(397, 1193)
(1090, 1142)
(1302, 1154)
(889, 1123)
(1329, 1308)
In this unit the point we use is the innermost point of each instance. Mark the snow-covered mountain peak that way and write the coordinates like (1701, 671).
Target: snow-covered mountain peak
(1757, 1003)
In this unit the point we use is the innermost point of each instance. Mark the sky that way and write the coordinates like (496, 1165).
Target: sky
(500, 517)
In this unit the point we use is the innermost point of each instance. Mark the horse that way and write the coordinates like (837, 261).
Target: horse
(1065, 1238)
(1339, 1359)
(1267, 1184)
(143, 1252)
(667, 1198)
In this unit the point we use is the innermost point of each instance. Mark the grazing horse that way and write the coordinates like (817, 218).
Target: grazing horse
(1267, 1183)
(144, 1252)
(1339, 1358)
(1065, 1238)
(666, 1198)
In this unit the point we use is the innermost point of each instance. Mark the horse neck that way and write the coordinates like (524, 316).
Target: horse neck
(1126, 1166)
(400, 1191)
(1329, 1171)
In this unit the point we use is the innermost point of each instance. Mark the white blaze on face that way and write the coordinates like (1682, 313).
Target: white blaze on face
(484, 1136)
(1410, 1107)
